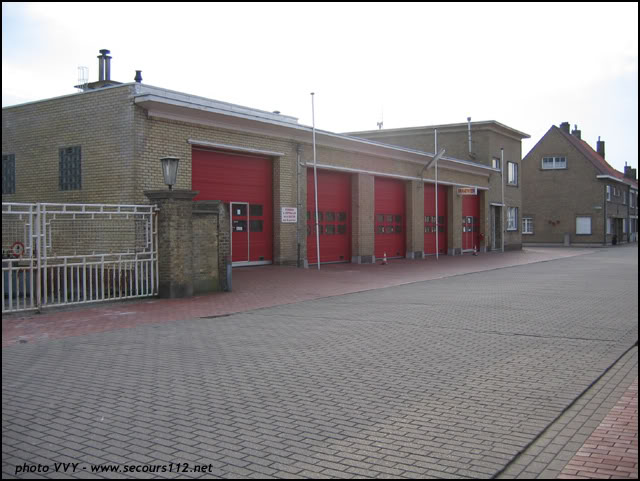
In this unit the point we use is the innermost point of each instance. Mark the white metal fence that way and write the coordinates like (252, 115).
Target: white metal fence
(57, 254)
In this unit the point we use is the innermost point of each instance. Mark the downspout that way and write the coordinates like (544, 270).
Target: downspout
(435, 132)
(469, 128)
(606, 225)
(315, 178)
(298, 153)
(504, 207)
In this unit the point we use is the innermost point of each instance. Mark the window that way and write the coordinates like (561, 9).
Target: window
(583, 225)
(632, 199)
(527, 225)
(513, 173)
(8, 174)
(495, 163)
(70, 168)
(512, 218)
(624, 226)
(554, 163)
(608, 192)
(609, 225)
(624, 197)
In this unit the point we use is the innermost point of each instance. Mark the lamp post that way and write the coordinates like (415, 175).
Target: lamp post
(170, 170)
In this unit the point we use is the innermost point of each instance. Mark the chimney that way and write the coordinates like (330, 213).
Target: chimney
(104, 63)
(600, 147)
(629, 173)
(576, 132)
(564, 126)
(138, 77)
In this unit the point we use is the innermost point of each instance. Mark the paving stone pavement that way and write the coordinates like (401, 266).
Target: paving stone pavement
(454, 378)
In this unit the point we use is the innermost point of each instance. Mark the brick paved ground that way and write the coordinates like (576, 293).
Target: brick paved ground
(448, 378)
(612, 450)
(260, 287)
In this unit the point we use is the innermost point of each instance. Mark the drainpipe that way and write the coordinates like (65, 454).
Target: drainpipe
(605, 216)
(469, 128)
(298, 153)
(504, 207)
(315, 178)
(435, 133)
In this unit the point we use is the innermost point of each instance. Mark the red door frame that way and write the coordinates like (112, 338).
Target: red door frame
(334, 217)
(470, 222)
(390, 217)
(239, 178)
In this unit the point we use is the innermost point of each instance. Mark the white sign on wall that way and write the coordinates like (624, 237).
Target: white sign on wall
(467, 191)
(289, 215)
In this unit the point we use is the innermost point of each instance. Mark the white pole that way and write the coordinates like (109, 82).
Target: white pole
(504, 207)
(435, 133)
(315, 178)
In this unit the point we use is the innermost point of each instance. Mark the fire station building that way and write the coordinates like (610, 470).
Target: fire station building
(376, 190)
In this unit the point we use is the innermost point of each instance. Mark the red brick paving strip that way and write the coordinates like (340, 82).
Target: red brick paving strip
(612, 450)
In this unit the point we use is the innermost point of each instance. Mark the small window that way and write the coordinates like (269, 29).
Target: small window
(608, 192)
(70, 168)
(398, 219)
(380, 218)
(389, 218)
(239, 226)
(330, 229)
(441, 228)
(583, 225)
(512, 218)
(527, 225)
(255, 226)
(495, 163)
(330, 217)
(320, 217)
(398, 229)
(440, 219)
(427, 229)
(8, 174)
(255, 210)
(380, 229)
(512, 173)
(427, 218)
(609, 225)
(342, 217)
(342, 229)
(239, 210)
(389, 229)
(549, 163)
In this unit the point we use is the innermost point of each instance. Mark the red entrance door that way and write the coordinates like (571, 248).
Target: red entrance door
(389, 217)
(470, 222)
(334, 217)
(435, 224)
(245, 183)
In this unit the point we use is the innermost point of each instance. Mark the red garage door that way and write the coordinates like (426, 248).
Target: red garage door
(334, 217)
(245, 183)
(470, 222)
(389, 217)
(435, 224)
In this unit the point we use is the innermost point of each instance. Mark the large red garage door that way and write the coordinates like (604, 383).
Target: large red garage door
(435, 224)
(470, 222)
(334, 217)
(389, 217)
(245, 183)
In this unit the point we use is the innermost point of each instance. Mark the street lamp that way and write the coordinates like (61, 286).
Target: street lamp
(170, 170)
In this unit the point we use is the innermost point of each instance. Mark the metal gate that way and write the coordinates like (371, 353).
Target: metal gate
(59, 254)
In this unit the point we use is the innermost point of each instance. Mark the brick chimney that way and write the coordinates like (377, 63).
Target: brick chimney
(629, 173)
(564, 126)
(600, 147)
(575, 132)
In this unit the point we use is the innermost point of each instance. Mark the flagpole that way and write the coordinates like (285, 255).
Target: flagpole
(315, 178)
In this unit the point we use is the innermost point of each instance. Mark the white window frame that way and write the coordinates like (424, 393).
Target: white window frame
(580, 229)
(495, 163)
(632, 199)
(512, 219)
(556, 163)
(527, 225)
(609, 193)
(609, 225)
(624, 197)
(515, 172)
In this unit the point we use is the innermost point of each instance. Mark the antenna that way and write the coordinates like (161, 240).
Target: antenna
(83, 78)
(381, 123)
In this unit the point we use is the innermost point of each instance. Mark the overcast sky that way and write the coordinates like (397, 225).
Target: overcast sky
(528, 66)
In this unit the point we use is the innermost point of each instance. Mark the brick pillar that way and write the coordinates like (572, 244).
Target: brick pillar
(485, 220)
(175, 241)
(454, 206)
(415, 219)
(362, 225)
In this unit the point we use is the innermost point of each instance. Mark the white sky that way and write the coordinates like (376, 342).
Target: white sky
(528, 66)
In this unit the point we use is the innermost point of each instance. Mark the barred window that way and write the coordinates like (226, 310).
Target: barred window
(8, 174)
(71, 168)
